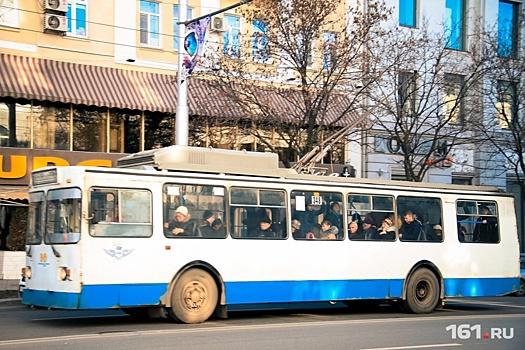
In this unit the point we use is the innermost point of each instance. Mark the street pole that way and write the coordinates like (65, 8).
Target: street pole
(181, 120)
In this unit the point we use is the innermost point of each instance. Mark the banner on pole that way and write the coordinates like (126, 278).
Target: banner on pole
(193, 45)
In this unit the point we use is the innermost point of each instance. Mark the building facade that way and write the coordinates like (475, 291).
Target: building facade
(84, 82)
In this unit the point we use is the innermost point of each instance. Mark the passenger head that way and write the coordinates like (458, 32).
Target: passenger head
(265, 223)
(216, 224)
(181, 213)
(409, 217)
(353, 227)
(387, 222)
(309, 205)
(485, 210)
(208, 216)
(325, 225)
(438, 229)
(296, 225)
(368, 222)
(335, 207)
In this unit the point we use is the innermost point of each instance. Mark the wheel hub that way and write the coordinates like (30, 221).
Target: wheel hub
(195, 295)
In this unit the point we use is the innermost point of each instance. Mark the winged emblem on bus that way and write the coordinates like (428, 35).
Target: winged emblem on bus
(118, 253)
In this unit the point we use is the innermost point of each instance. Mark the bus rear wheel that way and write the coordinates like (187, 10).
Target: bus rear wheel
(422, 294)
(194, 297)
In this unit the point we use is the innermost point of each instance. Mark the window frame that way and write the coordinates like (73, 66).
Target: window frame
(116, 221)
(73, 9)
(150, 37)
(503, 33)
(455, 26)
(456, 82)
(408, 19)
(507, 101)
(231, 46)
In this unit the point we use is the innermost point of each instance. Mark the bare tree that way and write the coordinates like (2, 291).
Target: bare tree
(299, 70)
(503, 129)
(428, 100)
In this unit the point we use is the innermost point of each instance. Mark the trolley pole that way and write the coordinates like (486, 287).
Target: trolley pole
(181, 120)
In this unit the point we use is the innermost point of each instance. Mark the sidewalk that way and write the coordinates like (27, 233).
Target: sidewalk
(9, 292)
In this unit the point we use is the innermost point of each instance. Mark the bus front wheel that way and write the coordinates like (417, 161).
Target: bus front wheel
(194, 297)
(422, 294)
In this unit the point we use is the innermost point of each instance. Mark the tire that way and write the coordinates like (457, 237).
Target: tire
(194, 297)
(422, 293)
(521, 292)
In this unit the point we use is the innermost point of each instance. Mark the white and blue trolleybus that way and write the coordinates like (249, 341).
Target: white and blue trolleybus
(187, 233)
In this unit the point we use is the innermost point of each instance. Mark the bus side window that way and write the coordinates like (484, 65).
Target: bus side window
(477, 221)
(420, 215)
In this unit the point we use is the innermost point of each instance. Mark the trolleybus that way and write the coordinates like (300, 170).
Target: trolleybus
(187, 233)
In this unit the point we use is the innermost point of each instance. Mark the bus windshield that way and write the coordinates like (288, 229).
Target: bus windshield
(36, 218)
(63, 216)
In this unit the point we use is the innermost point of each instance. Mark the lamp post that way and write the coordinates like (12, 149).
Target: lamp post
(181, 120)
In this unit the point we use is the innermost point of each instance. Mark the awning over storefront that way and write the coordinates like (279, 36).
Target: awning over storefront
(56, 81)
(13, 195)
(47, 80)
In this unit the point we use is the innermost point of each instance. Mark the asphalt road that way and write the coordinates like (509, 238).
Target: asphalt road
(482, 323)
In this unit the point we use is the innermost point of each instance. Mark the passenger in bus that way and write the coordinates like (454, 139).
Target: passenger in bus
(334, 216)
(328, 231)
(264, 230)
(354, 232)
(411, 229)
(369, 227)
(387, 231)
(486, 227)
(205, 226)
(436, 234)
(309, 217)
(182, 224)
(219, 231)
(296, 230)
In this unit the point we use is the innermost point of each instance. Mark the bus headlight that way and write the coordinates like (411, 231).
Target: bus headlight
(64, 273)
(27, 272)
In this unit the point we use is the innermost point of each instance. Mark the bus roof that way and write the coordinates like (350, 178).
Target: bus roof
(231, 162)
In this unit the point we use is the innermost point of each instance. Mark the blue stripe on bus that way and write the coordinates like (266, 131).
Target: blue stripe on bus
(238, 293)
(301, 291)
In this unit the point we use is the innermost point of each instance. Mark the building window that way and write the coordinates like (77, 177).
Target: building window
(506, 104)
(232, 37)
(260, 42)
(304, 52)
(51, 126)
(189, 15)
(149, 23)
(453, 99)
(407, 13)
(507, 28)
(9, 13)
(76, 17)
(455, 24)
(329, 52)
(90, 129)
(407, 86)
(15, 125)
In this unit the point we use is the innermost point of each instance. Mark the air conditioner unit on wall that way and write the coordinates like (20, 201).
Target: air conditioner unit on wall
(218, 24)
(55, 22)
(56, 5)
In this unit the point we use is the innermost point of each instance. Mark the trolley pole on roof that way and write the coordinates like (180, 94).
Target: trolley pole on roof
(181, 121)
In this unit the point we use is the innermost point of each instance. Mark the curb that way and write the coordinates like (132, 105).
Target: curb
(10, 302)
